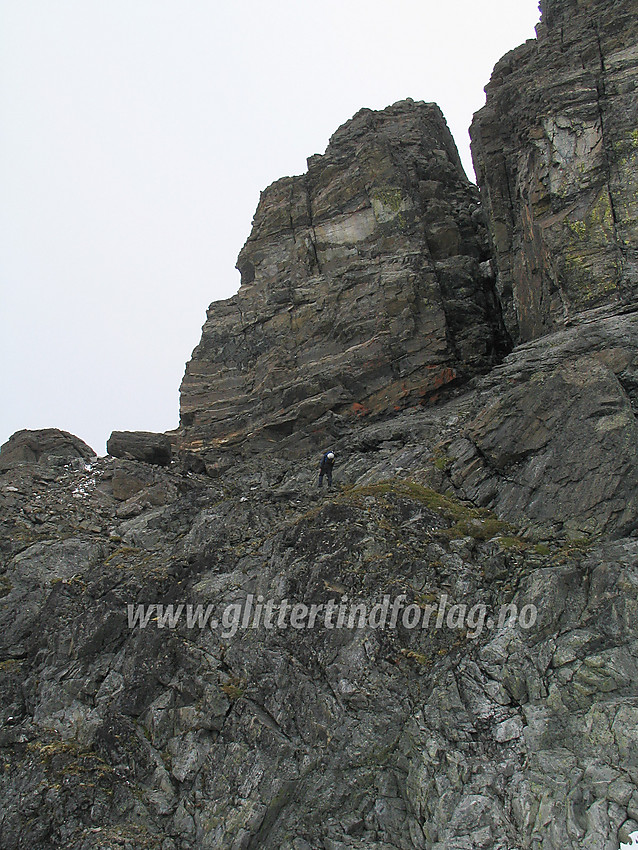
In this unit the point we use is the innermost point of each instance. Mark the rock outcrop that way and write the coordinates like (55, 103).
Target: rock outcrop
(556, 156)
(122, 726)
(552, 437)
(44, 446)
(366, 286)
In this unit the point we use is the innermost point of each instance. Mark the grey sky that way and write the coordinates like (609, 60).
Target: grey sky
(136, 137)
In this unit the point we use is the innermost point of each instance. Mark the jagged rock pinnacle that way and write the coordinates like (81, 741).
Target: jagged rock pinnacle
(366, 286)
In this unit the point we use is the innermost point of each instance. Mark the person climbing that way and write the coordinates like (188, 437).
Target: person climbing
(325, 467)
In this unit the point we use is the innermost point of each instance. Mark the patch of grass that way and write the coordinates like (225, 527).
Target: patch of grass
(419, 657)
(478, 528)
(121, 553)
(233, 688)
(442, 462)
(465, 520)
(574, 547)
(512, 544)
(70, 759)
(54, 748)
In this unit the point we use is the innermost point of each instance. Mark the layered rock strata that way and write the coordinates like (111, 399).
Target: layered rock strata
(146, 446)
(366, 285)
(552, 436)
(556, 153)
(504, 719)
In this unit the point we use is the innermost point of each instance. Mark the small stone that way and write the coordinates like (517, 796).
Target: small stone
(509, 730)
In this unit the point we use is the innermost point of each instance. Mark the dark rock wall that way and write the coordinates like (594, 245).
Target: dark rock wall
(366, 285)
(555, 151)
(552, 437)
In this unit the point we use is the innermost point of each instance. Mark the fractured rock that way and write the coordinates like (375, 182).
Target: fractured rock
(554, 436)
(366, 286)
(555, 151)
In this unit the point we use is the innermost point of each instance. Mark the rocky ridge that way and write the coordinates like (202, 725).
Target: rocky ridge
(513, 489)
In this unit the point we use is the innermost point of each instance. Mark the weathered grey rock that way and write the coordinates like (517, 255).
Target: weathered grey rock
(553, 436)
(556, 156)
(42, 446)
(232, 736)
(140, 445)
(366, 286)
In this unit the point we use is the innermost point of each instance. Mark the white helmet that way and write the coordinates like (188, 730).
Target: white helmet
(330, 455)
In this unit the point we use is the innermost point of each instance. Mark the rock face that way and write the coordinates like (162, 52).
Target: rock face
(42, 446)
(556, 154)
(366, 286)
(552, 436)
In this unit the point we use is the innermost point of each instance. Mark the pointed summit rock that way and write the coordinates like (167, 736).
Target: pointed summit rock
(366, 286)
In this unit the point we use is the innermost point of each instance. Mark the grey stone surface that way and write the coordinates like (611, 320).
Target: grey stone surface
(502, 513)
(140, 445)
(366, 286)
(500, 736)
(556, 153)
(44, 446)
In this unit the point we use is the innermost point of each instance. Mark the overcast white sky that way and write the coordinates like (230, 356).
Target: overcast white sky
(136, 136)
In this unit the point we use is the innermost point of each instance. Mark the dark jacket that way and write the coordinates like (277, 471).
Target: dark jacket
(326, 464)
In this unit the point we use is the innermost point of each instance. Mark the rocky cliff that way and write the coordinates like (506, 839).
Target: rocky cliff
(366, 286)
(469, 678)
(555, 151)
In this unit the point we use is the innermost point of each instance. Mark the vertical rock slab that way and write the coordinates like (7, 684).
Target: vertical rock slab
(365, 286)
(556, 155)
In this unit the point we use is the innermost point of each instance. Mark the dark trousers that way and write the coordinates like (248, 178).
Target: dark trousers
(328, 474)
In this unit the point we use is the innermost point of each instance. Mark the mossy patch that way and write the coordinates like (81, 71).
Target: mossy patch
(66, 757)
(465, 520)
(5, 586)
(234, 688)
(587, 283)
(512, 543)
(418, 657)
(388, 204)
(573, 548)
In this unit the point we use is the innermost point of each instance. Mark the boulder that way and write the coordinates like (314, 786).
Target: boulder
(146, 446)
(40, 446)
